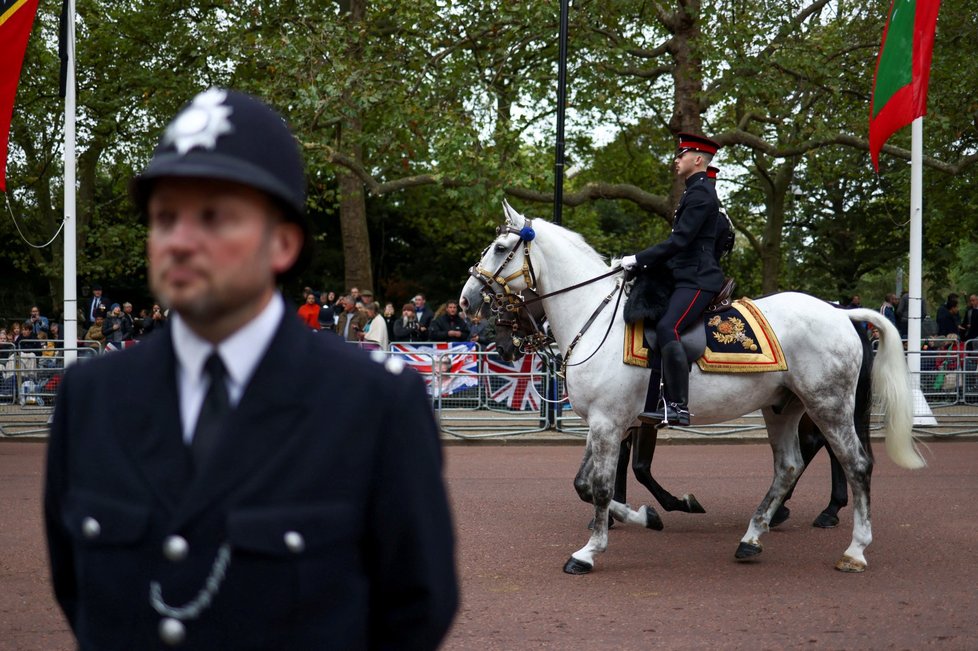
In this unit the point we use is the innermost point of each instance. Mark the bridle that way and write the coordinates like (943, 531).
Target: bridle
(513, 309)
(492, 280)
(508, 304)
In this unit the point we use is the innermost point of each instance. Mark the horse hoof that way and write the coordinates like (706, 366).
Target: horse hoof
(826, 521)
(782, 514)
(693, 505)
(574, 566)
(652, 519)
(747, 551)
(851, 565)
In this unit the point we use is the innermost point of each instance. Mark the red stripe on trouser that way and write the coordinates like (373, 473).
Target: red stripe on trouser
(675, 330)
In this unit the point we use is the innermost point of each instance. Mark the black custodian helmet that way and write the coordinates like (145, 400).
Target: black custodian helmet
(232, 136)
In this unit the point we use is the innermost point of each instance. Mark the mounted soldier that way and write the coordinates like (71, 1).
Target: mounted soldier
(689, 254)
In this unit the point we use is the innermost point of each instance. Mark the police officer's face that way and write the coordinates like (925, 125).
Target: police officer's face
(214, 250)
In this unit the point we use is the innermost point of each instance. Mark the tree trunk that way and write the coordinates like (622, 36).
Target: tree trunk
(357, 266)
(776, 187)
(353, 226)
(687, 108)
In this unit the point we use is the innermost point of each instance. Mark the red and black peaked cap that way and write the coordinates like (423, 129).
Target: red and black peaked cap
(692, 142)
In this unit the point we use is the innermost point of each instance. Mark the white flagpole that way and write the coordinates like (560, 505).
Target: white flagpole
(916, 245)
(70, 254)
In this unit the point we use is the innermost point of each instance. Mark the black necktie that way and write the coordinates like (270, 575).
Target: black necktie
(213, 412)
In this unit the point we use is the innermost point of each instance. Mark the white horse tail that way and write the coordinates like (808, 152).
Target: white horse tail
(891, 386)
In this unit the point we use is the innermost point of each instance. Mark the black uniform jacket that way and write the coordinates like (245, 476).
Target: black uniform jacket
(325, 443)
(688, 252)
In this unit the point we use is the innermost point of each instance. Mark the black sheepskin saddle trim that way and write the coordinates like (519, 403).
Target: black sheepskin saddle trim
(649, 295)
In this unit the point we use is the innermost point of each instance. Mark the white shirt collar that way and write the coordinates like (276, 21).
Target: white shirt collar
(240, 352)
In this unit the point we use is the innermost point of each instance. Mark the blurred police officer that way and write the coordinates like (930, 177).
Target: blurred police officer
(214, 511)
(689, 254)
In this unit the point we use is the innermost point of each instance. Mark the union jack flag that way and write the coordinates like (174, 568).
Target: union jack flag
(509, 383)
(458, 365)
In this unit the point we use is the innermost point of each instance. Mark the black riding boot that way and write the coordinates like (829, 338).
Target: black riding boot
(676, 371)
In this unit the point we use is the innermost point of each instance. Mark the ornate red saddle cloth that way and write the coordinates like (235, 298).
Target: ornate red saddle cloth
(738, 340)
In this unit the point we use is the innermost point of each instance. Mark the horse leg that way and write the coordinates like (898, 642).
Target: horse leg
(621, 473)
(604, 443)
(829, 517)
(810, 441)
(782, 434)
(621, 483)
(645, 515)
(582, 482)
(835, 420)
(643, 449)
(857, 466)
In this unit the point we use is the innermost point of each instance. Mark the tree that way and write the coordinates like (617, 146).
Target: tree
(127, 88)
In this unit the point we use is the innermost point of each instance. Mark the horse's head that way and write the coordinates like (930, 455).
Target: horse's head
(506, 338)
(504, 268)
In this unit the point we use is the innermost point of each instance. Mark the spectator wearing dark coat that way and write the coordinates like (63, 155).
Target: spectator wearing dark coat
(407, 327)
(424, 314)
(948, 318)
(450, 326)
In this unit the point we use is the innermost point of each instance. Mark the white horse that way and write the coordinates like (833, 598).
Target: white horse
(821, 348)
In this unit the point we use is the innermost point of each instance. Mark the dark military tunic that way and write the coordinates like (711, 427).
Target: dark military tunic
(689, 251)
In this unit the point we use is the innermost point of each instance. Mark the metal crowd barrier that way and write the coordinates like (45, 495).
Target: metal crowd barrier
(947, 387)
(29, 380)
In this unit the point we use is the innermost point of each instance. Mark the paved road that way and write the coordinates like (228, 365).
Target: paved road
(518, 520)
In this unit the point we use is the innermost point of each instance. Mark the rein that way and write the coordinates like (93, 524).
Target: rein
(573, 287)
(617, 290)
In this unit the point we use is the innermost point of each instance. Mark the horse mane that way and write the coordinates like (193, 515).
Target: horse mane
(578, 242)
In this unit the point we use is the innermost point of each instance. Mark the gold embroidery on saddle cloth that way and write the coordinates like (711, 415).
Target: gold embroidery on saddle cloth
(761, 353)
(730, 330)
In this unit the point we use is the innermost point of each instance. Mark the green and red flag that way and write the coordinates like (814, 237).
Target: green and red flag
(16, 20)
(902, 70)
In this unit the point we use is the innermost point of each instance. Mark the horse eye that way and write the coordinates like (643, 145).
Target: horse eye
(500, 247)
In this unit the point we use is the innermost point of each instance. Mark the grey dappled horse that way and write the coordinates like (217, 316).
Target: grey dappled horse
(821, 348)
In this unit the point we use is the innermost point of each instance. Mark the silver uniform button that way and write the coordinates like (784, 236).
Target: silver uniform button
(172, 631)
(175, 548)
(91, 528)
(295, 542)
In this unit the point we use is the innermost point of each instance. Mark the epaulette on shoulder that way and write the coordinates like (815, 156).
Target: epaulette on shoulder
(393, 365)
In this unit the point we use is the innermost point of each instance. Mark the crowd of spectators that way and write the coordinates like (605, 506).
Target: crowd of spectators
(101, 322)
(358, 317)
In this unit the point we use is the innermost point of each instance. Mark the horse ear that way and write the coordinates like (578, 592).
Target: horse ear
(514, 218)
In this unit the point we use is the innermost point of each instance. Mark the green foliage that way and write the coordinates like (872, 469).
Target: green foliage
(446, 108)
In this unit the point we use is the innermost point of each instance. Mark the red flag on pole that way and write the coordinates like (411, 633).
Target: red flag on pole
(16, 20)
(902, 70)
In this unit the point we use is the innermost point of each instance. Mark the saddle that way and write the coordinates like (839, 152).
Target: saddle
(738, 339)
(723, 298)
(694, 337)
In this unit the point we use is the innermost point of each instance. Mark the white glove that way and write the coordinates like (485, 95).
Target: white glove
(628, 262)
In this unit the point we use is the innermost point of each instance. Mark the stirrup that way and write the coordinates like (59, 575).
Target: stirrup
(678, 414)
